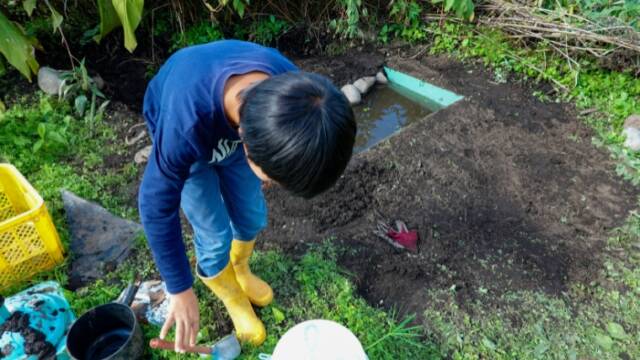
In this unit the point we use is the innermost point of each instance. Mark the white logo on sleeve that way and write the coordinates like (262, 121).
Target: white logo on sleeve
(225, 148)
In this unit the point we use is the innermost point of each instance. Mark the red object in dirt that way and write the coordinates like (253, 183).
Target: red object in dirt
(400, 237)
(408, 239)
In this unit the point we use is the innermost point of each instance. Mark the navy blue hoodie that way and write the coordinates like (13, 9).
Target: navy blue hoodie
(183, 108)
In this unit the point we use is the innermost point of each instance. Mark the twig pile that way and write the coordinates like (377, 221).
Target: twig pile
(565, 32)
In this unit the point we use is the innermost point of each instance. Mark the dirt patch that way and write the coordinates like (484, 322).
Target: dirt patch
(35, 342)
(345, 68)
(506, 192)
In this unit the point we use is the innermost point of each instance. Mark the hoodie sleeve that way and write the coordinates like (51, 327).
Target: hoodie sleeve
(172, 155)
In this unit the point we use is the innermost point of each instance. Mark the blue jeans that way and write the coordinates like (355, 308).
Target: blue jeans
(223, 201)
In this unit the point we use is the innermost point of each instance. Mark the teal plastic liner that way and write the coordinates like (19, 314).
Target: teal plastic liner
(433, 97)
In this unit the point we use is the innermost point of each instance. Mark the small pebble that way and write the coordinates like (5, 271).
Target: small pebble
(364, 84)
(352, 93)
(381, 78)
(142, 155)
(632, 121)
(632, 140)
(49, 80)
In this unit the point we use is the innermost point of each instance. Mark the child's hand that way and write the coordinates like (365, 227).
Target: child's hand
(185, 314)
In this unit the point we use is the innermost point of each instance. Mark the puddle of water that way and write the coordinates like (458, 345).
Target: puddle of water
(382, 112)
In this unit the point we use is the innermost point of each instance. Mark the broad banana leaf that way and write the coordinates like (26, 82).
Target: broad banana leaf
(108, 19)
(127, 13)
(17, 48)
(130, 14)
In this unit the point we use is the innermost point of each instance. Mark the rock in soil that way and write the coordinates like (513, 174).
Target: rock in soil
(364, 84)
(49, 80)
(99, 240)
(632, 132)
(632, 140)
(381, 78)
(142, 155)
(352, 93)
(632, 121)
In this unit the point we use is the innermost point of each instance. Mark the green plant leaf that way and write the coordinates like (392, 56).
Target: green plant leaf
(238, 6)
(130, 14)
(541, 349)
(42, 130)
(616, 331)
(29, 6)
(488, 344)
(278, 316)
(80, 104)
(603, 341)
(448, 4)
(103, 107)
(56, 18)
(17, 48)
(108, 19)
(57, 137)
(37, 145)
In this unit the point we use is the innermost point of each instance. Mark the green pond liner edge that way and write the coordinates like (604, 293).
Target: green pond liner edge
(433, 97)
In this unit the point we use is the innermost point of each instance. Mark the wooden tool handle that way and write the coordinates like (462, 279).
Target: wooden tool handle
(168, 345)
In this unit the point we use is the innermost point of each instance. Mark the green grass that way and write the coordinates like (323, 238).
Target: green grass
(71, 159)
(313, 287)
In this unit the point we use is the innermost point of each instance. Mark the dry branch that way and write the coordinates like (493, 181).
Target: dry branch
(566, 33)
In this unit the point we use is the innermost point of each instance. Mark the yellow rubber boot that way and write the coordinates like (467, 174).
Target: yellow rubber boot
(248, 327)
(257, 290)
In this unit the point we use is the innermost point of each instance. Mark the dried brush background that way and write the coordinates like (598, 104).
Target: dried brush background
(615, 44)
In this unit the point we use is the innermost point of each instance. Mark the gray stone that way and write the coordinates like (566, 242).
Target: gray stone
(352, 93)
(142, 155)
(99, 240)
(364, 84)
(632, 132)
(632, 121)
(99, 81)
(632, 140)
(381, 78)
(49, 80)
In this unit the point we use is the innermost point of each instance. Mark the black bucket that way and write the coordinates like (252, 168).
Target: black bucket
(107, 332)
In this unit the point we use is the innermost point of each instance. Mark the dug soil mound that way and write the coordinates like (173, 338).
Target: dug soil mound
(507, 193)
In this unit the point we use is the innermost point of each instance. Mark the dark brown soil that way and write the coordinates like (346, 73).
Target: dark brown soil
(35, 342)
(507, 193)
(345, 68)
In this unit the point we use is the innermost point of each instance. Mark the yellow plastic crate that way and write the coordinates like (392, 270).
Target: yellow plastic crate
(29, 242)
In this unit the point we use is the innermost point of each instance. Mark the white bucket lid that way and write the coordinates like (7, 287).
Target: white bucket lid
(319, 340)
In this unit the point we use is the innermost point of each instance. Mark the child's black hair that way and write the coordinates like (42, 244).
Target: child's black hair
(299, 129)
